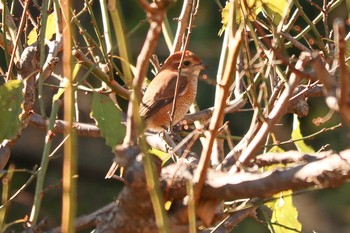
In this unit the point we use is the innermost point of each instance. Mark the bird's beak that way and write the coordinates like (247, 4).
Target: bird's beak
(203, 66)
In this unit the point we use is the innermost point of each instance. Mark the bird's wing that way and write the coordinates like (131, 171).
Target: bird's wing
(155, 98)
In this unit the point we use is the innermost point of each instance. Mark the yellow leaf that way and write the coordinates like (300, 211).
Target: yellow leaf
(49, 32)
(297, 137)
(160, 154)
(224, 18)
(275, 149)
(273, 8)
(284, 215)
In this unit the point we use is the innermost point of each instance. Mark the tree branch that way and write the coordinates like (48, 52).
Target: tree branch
(182, 25)
(82, 129)
(133, 211)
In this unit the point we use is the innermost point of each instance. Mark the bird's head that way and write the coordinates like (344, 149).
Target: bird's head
(191, 63)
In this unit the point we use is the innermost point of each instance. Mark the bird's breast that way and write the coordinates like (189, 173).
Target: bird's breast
(161, 120)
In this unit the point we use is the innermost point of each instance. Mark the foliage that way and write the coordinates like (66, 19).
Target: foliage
(108, 119)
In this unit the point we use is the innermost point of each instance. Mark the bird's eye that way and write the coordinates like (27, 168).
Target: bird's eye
(187, 63)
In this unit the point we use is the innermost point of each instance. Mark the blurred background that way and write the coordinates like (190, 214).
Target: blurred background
(319, 211)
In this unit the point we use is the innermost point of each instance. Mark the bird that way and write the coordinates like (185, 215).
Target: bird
(157, 102)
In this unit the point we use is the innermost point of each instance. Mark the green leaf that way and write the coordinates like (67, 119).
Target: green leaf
(49, 32)
(11, 99)
(108, 119)
(284, 215)
(297, 137)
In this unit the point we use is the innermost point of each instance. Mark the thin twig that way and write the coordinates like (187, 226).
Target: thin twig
(344, 98)
(311, 136)
(182, 25)
(218, 114)
(295, 42)
(17, 41)
(184, 47)
(155, 16)
(117, 88)
(34, 215)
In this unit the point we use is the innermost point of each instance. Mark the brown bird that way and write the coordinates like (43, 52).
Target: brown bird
(157, 102)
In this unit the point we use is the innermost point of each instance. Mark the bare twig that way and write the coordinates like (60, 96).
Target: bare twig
(117, 88)
(310, 136)
(155, 16)
(51, 60)
(344, 97)
(233, 220)
(29, 15)
(295, 42)
(218, 114)
(155, 62)
(17, 41)
(182, 25)
(184, 47)
(327, 80)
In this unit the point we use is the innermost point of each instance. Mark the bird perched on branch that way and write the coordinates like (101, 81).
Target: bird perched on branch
(157, 103)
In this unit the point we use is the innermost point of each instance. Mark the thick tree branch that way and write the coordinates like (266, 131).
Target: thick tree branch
(326, 172)
(133, 211)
